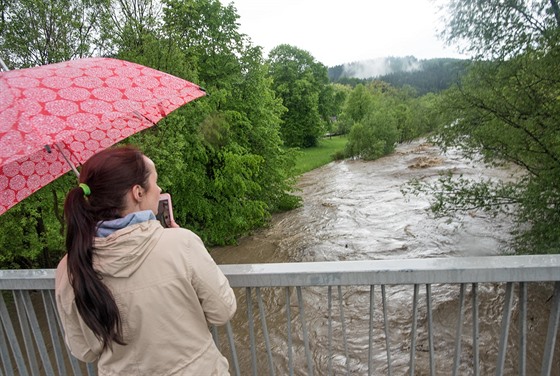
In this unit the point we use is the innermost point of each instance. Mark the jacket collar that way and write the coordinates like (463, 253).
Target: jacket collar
(106, 228)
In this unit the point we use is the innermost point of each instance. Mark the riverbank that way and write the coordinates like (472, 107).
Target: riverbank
(325, 152)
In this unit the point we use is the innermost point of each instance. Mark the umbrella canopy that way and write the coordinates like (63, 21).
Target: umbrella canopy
(57, 115)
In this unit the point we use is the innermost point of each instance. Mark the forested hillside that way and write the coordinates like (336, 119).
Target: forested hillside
(425, 76)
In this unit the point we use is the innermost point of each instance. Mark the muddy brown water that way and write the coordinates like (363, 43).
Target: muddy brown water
(354, 210)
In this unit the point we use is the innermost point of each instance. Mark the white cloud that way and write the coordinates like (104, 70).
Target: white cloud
(337, 32)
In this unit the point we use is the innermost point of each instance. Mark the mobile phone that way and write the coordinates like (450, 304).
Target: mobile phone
(165, 210)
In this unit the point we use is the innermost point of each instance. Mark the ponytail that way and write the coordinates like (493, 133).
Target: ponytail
(105, 178)
(94, 300)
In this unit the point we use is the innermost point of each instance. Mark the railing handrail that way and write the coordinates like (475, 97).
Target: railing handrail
(524, 268)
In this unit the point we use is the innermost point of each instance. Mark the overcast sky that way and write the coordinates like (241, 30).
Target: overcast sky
(344, 31)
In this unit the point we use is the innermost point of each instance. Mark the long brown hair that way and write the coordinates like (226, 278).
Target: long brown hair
(109, 174)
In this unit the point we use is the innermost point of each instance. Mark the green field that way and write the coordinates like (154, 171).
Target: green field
(312, 158)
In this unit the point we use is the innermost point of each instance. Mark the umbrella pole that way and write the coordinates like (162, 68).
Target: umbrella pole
(3, 65)
(67, 160)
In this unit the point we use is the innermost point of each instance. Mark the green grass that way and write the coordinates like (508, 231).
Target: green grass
(311, 158)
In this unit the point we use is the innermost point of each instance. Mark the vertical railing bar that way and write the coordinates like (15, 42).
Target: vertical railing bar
(329, 303)
(4, 353)
(289, 329)
(476, 336)
(522, 328)
(91, 369)
(370, 336)
(51, 322)
(232, 347)
(459, 331)
(76, 368)
(506, 320)
(386, 329)
(39, 341)
(248, 294)
(343, 322)
(265, 331)
(74, 363)
(552, 330)
(304, 330)
(413, 330)
(26, 332)
(215, 336)
(430, 329)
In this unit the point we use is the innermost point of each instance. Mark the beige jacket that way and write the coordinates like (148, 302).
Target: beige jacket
(168, 290)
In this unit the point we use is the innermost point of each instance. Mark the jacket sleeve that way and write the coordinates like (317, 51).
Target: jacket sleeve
(81, 341)
(211, 285)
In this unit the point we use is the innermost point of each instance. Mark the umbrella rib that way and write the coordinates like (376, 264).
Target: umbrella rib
(66, 159)
(3, 65)
(142, 116)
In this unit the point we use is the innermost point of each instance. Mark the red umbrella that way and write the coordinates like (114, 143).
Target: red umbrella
(56, 116)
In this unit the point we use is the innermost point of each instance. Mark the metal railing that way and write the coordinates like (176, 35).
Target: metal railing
(426, 316)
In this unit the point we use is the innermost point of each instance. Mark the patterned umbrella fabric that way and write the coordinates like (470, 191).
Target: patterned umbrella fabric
(57, 115)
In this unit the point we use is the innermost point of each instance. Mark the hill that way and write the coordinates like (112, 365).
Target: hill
(430, 75)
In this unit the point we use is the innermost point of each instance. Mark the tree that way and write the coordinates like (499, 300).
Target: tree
(229, 171)
(507, 110)
(360, 102)
(374, 129)
(36, 32)
(498, 30)
(303, 85)
(374, 136)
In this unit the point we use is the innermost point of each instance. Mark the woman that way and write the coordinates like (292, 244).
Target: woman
(133, 296)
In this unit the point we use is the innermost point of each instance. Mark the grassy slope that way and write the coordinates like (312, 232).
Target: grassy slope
(312, 158)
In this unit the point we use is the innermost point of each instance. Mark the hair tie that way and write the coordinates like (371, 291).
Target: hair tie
(85, 188)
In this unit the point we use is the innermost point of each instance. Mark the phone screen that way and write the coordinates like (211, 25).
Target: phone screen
(165, 210)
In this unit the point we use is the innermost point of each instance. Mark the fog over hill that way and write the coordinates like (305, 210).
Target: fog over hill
(431, 75)
(380, 67)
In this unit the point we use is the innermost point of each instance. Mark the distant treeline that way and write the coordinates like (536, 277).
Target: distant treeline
(430, 76)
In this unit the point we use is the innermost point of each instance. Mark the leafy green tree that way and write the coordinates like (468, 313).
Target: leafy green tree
(36, 32)
(360, 102)
(374, 136)
(498, 30)
(303, 85)
(374, 132)
(427, 116)
(507, 110)
(380, 116)
(231, 172)
(31, 233)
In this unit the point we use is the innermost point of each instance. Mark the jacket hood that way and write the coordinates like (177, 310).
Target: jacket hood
(121, 253)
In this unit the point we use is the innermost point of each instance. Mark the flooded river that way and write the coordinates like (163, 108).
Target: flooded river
(354, 210)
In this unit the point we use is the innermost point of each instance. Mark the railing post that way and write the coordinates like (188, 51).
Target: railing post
(506, 319)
